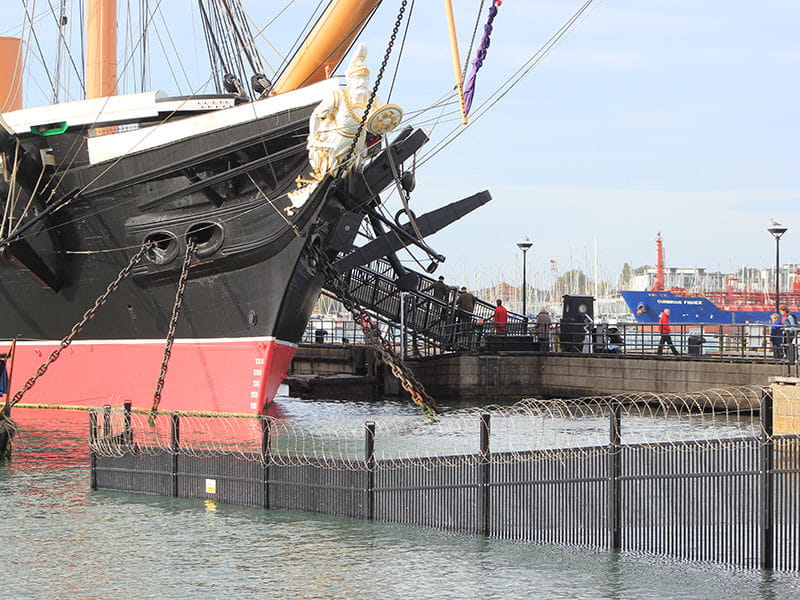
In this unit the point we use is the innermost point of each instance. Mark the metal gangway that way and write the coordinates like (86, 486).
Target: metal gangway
(426, 321)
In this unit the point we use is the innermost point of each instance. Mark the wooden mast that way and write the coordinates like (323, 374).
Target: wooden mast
(325, 46)
(101, 48)
(10, 74)
(451, 25)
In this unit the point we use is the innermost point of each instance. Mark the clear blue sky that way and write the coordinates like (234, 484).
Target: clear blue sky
(679, 117)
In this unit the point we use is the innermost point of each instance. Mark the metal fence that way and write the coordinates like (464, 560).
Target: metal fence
(734, 500)
(696, 341)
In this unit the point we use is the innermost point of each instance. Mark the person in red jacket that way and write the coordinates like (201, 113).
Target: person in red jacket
(500, 318)
(664, 330)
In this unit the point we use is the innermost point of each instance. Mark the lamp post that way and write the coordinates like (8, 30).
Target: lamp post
(777, 230)
(524, 245)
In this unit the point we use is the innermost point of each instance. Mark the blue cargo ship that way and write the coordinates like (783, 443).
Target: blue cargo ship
(647, 306)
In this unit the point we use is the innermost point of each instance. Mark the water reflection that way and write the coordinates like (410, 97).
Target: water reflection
(64, 541)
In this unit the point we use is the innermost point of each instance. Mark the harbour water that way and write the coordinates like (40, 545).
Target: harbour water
(61, 540)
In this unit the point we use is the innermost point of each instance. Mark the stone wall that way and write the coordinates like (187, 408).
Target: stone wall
(514, 376)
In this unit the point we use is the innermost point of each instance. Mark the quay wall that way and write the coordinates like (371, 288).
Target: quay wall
(516, 376)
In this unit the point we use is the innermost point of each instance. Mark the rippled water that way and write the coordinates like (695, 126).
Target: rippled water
(60, 540)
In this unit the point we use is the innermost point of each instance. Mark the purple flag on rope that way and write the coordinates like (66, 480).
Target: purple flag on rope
(480, 55)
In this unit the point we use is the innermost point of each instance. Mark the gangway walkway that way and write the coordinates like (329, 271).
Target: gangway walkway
(436, 324)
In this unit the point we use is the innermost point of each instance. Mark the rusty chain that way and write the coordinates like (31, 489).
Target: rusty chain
(373, 335)
(173, 323)
(76, 329)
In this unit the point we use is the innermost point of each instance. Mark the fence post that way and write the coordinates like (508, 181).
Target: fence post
(614, 474)
(127, 429)
(175, 431)
(485, 473)
(766, 512)
(106, 421)
(265, 457)
(92, 455)
(369, 455)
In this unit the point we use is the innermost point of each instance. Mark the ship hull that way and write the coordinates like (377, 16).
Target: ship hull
(647, 306)
(230, 375)
(251, 286)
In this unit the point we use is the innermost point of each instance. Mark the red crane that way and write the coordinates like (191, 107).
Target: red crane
(658, 284)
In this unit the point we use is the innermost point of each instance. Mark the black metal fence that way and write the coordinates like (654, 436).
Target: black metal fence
(749, 343)
(734, 501)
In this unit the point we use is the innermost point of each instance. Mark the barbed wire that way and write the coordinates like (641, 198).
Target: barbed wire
(528, 430)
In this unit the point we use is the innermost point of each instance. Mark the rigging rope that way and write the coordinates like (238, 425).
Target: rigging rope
(511, 81)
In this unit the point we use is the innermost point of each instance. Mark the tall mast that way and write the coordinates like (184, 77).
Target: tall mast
(101, 48)
(326, 45)
(10, 74)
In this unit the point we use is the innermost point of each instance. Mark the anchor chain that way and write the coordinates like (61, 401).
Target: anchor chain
(173, 323)
(378, 79)
(373, 335)
(76, 329)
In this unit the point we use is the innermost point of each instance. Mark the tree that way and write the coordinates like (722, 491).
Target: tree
(572, 282)
(624, 280)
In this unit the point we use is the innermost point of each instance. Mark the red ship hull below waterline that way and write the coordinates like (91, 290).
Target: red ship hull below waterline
(230, 375)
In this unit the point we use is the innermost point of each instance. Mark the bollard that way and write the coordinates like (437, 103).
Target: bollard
(369, 456)
(766, 508)
(614, 475)
(485, 473)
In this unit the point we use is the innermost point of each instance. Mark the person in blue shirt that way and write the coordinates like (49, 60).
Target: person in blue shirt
(776, 335)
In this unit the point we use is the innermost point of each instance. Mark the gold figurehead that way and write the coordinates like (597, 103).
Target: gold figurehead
(335, 121)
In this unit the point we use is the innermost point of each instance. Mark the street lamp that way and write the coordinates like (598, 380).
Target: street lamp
(777, 230)
(524, 245)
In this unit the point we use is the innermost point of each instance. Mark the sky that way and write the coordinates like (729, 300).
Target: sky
(679, 117)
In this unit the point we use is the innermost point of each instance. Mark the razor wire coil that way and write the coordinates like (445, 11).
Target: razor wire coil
(528, 430)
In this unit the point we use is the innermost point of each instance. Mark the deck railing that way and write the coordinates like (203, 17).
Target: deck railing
(696, 341)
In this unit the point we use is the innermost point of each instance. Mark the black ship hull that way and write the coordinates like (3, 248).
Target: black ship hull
(251, 285)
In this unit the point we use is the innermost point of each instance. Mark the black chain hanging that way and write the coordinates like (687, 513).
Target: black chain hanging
(348, 157)
(173, 323)
(76, 329)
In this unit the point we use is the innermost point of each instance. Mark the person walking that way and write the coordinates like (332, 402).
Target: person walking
(543, 323)
(500, 318)
(465, 304)
(776, 335)
(789, 322)
(664, 330)
(441, 291)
